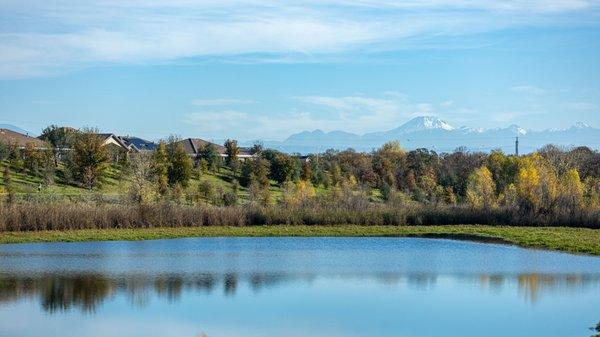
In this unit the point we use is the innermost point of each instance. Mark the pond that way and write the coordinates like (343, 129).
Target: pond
(246, 287)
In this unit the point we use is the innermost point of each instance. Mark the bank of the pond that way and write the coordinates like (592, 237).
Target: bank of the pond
(574, 240)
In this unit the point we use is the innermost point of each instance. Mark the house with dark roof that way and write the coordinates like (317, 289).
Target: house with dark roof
(20, 140)
(193, 147)
(140, 144)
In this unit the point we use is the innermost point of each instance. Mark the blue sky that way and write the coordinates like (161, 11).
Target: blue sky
(260, 69)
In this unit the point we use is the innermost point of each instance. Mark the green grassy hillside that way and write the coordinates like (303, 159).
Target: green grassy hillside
(117, 183)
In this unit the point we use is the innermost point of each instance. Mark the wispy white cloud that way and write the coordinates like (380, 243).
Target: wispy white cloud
(352, 113)
(513, 116)
(46, 37)
(580, 106)
(221, 101)
(528, 89)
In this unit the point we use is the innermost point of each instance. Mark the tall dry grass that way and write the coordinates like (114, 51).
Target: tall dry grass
(35, 216)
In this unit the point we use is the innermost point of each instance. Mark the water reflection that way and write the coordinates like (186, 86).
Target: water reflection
(86, 292)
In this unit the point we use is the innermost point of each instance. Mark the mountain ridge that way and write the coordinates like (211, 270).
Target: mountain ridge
(436, 134)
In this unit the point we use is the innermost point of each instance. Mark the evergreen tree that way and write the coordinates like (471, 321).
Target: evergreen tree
(211, 156)
(232, 150)
(89, 162)
(180, 165)
(8, 186)
(60, 138)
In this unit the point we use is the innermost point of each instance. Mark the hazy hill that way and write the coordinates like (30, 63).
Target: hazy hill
(16, 129)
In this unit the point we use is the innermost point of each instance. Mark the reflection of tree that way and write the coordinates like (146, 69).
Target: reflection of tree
(530, 285)
(14, 288)
(494, 282)
(170, 287)
(422, 281)
(230, 284)
(82, 291)
(264, 280)
(85, 292)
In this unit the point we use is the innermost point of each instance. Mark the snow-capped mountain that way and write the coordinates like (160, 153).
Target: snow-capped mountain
(436, 134)
(423, 123)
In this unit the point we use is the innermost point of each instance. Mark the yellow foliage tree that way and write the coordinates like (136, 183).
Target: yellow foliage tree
(549, 186)
(509, 197)
(481, 188)
(294, 194)
(571, 190)
(592, 192)
(528, 184)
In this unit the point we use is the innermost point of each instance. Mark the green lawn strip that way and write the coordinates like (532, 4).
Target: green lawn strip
(575, 240)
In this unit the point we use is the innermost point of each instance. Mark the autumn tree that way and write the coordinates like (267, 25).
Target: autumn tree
(259, 195)
(456, 167)
(31, 159)
(296, 193)
(592, 192)
(504, 169)
(161, 168)
(571, 191)
(548, 185)
(527, 185)
(39, 163)
(387, 162)
(481, 189)
(142, 170)
(306, 171)
(335, 173)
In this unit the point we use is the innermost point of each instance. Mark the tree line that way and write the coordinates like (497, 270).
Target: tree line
(545, 183)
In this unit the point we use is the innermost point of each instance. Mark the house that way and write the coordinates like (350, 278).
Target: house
(303, 159)
(113, 141)
(193, 147)
(20, 140)
(117, 147)
(140, 144)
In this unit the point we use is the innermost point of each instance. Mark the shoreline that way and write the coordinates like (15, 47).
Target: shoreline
(564, 239)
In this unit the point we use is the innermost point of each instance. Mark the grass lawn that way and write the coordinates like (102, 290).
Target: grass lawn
(574, 240)
(114, 185)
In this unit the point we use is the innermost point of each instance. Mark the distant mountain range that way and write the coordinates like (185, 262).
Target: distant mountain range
(436, 134)
(431, 133)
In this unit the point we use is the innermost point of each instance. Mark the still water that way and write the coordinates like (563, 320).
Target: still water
(246, 287)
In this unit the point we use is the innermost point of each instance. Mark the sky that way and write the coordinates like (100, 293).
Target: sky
(217, 69)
